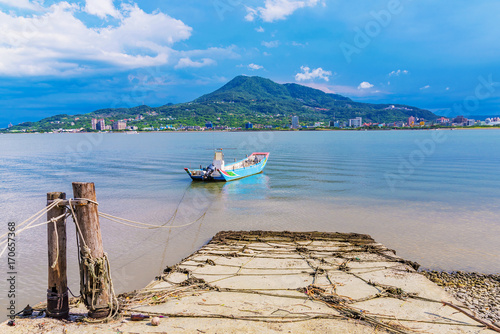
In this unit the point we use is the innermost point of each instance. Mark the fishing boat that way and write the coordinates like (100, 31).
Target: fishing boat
(219, 171)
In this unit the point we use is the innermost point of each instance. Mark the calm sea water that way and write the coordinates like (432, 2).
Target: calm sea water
(434, 196)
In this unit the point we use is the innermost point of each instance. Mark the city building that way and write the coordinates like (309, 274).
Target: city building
(442, 120)
(492, 121)
(355, 122)
(460, 120)
(248, 125)
(209, 125)
(101, 125)
(295, 122)
(119, 125)
(94, 124)
(471, 122)
(10, 125)
(335, 124)
(411, 121)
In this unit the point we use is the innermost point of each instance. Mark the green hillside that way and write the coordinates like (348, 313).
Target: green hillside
(244, 99)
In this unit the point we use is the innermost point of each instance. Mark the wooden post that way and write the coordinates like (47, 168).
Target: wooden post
(88, 222)
(57, 292)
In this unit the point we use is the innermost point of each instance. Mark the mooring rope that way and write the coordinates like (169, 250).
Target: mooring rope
(29, 223)
(124, 221)
(100, 272)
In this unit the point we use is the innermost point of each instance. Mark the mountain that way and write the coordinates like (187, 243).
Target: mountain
(245, 99)
(244, 88)
(259, 95)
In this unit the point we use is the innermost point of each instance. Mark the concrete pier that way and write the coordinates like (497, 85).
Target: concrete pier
(262, 281)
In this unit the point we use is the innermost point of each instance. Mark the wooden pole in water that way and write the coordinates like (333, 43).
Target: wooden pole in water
(57, 292)
(90, 229)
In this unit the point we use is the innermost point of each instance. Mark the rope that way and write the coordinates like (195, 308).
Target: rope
(28, 222)
(490, 326)
(85, 199)
(100, 274)
(123, 221)
(53, 265)
(76, 223)
(37, 215)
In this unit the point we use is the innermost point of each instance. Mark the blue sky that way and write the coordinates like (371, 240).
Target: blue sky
(79, 56)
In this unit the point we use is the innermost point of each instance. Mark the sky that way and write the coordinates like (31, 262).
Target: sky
(79, 56)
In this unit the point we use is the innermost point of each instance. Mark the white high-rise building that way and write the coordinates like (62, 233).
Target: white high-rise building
(295, 122)
(355, 122)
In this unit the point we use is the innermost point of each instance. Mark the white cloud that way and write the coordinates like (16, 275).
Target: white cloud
(323, 87)
(300, 44)
(259, 29)
(398, 73)
(101, 8)
(210, 53)
(271, 44)
(251, 13)
(255, 67)
(447, 88)
(187, 62)
(58, 43)
(317, 73)
(349, 91)
(25, 4)
(365, 85)
(425, 87)
(275, 10)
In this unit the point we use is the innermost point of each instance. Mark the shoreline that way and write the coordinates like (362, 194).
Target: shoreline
(259, 130)
(479, 292)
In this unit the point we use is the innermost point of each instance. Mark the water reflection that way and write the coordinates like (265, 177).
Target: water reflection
(252, 187)
(248, 188)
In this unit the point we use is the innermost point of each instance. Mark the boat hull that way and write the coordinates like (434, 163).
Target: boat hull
(229, 173)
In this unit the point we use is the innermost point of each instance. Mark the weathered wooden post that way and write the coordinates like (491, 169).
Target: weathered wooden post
(94, 286)
(57, 292)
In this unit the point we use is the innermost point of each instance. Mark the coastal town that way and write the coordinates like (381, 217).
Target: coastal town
(141, 123)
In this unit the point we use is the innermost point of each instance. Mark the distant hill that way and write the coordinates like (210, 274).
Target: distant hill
(244, 88)
(243, 99)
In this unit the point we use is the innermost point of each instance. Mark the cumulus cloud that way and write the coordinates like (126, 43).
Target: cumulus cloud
(57, 42)
(25, 4)
(425, 87)
(187, 62)
(254, 67)
(251, 14)
(398, 73)
(317, 73)
(275, 10)
(365, 85)
(259, 29)
(101, 8)
(271, 44)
